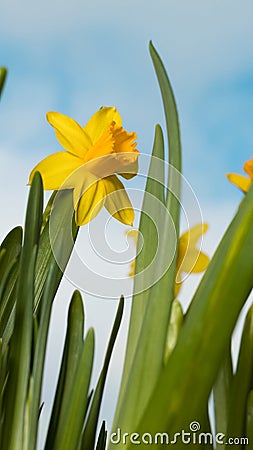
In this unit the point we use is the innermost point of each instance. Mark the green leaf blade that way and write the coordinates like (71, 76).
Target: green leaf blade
(147, 335)
(146, 228)
(222, 394)
(249, 422)
(101, 443)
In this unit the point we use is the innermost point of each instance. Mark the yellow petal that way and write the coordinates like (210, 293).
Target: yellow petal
(190, 238)
(133, 234)
(201, 263)
(108, 165)
(100, 121)
(240, 181)
(88, 201)
(190, 259)
(70, 134)
(117, 201)
(132, 268)
(194, 261)
(56, 170)
(248, 168)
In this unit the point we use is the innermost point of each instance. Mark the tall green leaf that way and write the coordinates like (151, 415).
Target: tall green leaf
(222, 394)
(148, 231)
(146, 356)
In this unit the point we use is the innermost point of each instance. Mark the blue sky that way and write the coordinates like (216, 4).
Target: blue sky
(75, 56)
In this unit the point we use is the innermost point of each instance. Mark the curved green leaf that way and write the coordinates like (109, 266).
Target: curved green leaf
(148, 330)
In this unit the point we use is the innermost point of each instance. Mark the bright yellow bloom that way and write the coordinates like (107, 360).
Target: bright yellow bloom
(241, 181)
(94, 155)
(190, 258)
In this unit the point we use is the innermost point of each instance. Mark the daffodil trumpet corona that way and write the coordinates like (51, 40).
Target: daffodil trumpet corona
(93, 157)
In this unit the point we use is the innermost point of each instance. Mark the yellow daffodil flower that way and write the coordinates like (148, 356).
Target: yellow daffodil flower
(189, 260)
(94, 155)
(241, 181)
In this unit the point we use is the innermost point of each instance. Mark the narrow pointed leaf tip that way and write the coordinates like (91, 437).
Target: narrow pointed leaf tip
(94, 155)
(3, 74)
